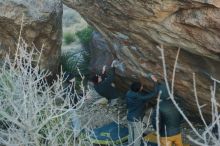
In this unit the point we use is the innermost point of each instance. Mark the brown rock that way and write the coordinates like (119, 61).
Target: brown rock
(136, 27)
(42, 26)
(100, 52)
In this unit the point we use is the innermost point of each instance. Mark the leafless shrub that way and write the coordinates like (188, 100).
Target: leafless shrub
(33, 112)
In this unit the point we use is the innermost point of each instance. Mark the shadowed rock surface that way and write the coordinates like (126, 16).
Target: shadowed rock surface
(42, 26)
(100, 51)
(135, 27)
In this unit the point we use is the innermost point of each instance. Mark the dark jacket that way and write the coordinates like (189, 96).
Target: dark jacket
(169, 117)
(136, 104)
(105, 88)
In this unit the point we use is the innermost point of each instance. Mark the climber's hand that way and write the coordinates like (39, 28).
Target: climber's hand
(153, 78)
(103, 69)
(114, 63)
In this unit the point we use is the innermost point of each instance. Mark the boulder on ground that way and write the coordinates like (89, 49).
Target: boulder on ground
(41, 22)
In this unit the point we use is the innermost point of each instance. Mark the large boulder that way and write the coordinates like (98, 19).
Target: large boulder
(42, 26)
(100, 52)
(135, 27)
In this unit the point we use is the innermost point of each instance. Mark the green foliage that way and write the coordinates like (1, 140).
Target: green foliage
(72, 61)
(83, 65)
(69, 38)
(85, 35)
(68, 62)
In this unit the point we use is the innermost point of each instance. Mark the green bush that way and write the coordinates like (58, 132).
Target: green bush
(85, 35)
(69, 38)
(70, 61)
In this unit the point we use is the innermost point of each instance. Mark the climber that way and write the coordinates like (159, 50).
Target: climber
(136, 104)
(103, 83)
(169, 119)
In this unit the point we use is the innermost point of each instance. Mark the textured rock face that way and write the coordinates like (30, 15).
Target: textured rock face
(100, 52)
(42, 26)
(136, 27)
